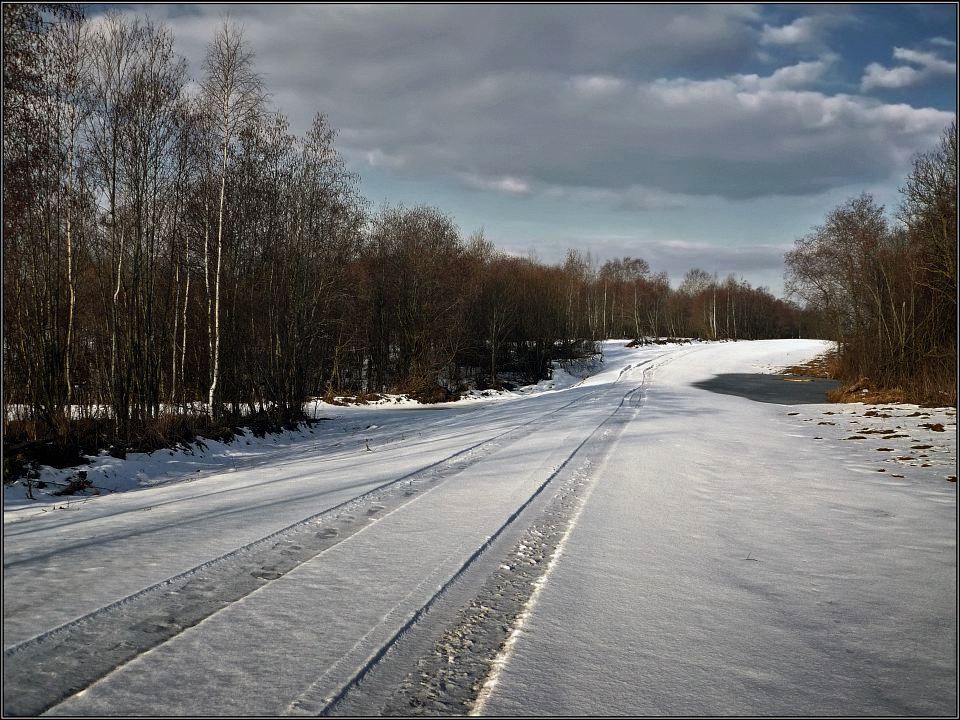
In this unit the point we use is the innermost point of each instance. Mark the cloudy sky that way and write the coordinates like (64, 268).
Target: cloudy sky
(708, 136)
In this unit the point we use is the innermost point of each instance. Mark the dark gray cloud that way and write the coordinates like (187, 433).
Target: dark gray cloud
(559, 98)
(718, 137)
(453, 42)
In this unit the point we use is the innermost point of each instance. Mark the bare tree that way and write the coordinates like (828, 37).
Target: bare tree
(888, 290)
(234, 95)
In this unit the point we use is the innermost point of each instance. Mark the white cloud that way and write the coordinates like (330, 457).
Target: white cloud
(596, 84)
(801, 31)
(878, 76)
(800, 75)
(378, 158)
(504, 184)
(944, 42)
(511, 185)
(926, 60)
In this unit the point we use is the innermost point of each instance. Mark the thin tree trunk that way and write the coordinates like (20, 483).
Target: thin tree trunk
(206, 282)
(73, 299)
(216, 287)
(186, 303)
(173, 343)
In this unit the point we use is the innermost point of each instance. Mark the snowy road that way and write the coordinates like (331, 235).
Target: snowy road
(718, 556)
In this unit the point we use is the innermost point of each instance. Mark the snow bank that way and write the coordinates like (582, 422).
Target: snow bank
(108, 475)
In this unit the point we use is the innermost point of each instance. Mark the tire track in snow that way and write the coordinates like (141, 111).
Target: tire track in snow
(462, 664)
(44, 670)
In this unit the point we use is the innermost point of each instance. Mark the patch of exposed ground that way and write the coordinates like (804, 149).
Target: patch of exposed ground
(921, 441)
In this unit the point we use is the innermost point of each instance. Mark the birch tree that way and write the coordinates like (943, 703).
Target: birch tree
(233, 94)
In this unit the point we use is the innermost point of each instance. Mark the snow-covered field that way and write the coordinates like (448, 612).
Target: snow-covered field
(718, 555)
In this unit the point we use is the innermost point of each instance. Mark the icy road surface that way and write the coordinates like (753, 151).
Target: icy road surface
(635, 543)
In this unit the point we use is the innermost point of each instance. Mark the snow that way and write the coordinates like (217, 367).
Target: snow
(383, 575)
(189, 508)
(109, 474)
(725, 556)
(727, 562)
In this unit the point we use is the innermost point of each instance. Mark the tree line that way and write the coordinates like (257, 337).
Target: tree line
(174, 254)
(887, 287)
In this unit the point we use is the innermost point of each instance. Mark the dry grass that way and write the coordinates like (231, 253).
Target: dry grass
(928, 387)
(860, 391)
(822, 366)
(919, 393)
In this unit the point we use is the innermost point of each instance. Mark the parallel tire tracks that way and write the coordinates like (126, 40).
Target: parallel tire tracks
(450, 677)
(44, 670)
